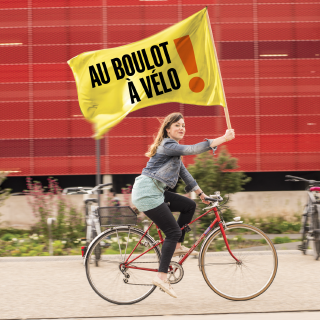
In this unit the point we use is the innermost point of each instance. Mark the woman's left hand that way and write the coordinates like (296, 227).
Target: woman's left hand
(202, 197)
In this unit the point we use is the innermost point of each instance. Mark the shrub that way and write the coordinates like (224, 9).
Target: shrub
(69, 223)
(34, 245)
(58, 247)
(277, 224)
(278, 240)
(7, 237)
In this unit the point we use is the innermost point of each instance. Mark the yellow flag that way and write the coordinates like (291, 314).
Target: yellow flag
(178, 64)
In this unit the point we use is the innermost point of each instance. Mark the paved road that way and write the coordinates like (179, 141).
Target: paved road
(46, 288)
(310, 315)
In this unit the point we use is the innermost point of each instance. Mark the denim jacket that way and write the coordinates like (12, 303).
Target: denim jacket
(166, 165)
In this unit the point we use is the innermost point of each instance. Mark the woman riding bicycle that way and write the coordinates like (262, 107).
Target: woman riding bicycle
(149, 192)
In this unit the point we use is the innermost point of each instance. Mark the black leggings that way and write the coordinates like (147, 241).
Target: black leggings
(162, 216)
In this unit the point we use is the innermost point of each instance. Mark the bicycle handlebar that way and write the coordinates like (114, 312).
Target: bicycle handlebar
(293, 178)
(75, 189)
(99, 186)
(214, 198)
(91, 191)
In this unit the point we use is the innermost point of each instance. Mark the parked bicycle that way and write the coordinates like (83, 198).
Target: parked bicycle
(310, 217)
(93, 227)
(238, 261)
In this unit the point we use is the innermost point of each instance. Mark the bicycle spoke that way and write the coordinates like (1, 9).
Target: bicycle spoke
(125, 253)
(110, 261)
(119, 245)
(208, 264)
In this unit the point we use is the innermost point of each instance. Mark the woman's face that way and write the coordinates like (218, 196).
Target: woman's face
(177, 130)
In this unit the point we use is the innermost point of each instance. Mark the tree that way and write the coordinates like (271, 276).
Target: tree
(216, 173)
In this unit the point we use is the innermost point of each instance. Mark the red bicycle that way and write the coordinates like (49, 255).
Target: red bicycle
(238, 261)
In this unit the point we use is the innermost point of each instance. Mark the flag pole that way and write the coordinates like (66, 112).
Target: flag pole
(98, 167)
(226, 112)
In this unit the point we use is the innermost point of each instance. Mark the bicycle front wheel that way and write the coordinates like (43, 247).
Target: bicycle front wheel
(111, 281)
(249, 277)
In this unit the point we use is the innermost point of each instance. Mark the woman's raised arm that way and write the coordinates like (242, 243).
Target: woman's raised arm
(229, 135)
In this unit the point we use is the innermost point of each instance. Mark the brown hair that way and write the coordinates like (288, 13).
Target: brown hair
(162, 132)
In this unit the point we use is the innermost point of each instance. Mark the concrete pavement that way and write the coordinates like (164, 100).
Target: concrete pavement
(238, 316)
(42, 288)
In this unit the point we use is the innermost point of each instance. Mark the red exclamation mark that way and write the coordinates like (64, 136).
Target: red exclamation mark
(186, 53)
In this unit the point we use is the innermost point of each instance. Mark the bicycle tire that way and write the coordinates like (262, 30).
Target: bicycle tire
(108, 281)
(97, 250)
(239, 282)
(304, 238)
(316, 235)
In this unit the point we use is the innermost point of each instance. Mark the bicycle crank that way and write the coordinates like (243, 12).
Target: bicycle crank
(175, 273)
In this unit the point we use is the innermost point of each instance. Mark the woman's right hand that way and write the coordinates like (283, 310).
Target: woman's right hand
(202, 197)
(229, 135)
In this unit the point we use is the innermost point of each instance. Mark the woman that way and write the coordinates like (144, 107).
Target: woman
(163, 170)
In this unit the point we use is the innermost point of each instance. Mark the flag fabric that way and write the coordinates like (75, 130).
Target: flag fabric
(178, 64)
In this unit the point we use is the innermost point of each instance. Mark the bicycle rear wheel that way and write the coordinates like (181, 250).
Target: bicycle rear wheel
(117, 284)
(316, 232)
(247, 279)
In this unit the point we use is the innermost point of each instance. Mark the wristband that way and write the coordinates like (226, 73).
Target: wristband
(225, 138)
(200, 193)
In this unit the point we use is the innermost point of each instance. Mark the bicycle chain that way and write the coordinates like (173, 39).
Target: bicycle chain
(147, 262)
(140, 284)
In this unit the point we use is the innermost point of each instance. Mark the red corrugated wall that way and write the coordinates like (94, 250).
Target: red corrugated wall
(269, 54)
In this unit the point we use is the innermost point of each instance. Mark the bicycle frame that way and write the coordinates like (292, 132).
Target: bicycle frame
(311, 202)
(127, 263)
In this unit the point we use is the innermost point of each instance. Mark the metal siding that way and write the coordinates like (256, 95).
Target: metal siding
(273, 100)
